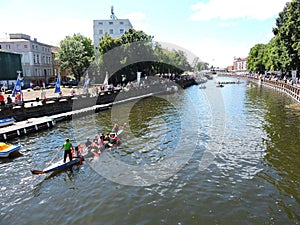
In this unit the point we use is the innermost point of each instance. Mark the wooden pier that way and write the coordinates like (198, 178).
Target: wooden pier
(25, 127)
(32, 125)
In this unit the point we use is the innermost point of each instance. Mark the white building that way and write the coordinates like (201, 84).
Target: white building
(240, 64)
(36, 57)
(114, 27)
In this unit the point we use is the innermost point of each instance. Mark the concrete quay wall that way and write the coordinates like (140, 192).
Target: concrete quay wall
(54, 105)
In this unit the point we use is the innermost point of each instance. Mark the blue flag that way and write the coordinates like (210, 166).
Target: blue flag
(57, 85)
(17, 87)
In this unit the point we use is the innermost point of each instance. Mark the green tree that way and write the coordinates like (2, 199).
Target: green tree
(136, 51)
(276, 56)
(76, 54)
(288, 31)
(123, 55)
(255, 58)
(201, 66)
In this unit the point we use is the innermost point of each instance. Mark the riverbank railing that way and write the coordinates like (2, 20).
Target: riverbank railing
(280, 85)
(291, 89)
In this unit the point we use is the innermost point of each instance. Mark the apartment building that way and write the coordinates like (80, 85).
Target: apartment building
(240, 64)
(114, 27)
(37, 59)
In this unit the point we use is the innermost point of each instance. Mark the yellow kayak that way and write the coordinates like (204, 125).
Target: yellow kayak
(7, 149)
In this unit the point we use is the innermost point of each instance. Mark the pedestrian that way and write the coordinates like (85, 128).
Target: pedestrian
(8, 100)
(67, 147)
(18, 98)
(115, 128)
(2, 99)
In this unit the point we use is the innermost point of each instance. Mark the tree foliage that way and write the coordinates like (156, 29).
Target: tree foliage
(75, 54)
(136, 51)
(283, 50)
(201, 66)
(255, 58)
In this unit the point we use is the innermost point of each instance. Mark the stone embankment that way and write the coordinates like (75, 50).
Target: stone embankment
(55, 105)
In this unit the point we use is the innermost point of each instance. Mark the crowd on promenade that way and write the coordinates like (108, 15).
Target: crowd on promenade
(164, 80)
(270, 77)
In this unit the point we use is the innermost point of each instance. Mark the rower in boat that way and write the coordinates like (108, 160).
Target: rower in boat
(115, 128)
(113, 139)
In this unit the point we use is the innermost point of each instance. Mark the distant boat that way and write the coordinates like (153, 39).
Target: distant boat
(7, 149)
(6, 122)
(220, 85)
(202, 86)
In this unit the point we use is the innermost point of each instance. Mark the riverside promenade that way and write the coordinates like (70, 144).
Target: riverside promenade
(55, 108)
(286, 86)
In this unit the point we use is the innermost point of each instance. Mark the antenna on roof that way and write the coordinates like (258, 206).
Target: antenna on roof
(113, 16)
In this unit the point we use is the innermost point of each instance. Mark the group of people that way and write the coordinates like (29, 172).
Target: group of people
(9, 99)
(96, 146)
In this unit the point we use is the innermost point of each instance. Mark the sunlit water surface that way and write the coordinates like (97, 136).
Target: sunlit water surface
(228, 159)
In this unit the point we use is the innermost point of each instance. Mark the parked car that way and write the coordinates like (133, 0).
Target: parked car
(70, 83)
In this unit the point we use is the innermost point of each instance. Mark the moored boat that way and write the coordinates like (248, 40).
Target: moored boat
(7, 149)
(6, 122)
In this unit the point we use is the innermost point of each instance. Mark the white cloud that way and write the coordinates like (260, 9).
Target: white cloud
(138, 20)
(217, 53)
(233, 9)
(136, 16)
(229, 24)
(51, 31)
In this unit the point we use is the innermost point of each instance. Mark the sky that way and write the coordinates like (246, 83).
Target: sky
(216, 31)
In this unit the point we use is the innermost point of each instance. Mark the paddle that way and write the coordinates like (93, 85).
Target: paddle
(54, 157)
(41, 171)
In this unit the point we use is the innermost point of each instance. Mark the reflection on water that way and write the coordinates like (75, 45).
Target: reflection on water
(253, 179)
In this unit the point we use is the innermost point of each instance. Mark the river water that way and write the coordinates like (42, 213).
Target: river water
(202, 156)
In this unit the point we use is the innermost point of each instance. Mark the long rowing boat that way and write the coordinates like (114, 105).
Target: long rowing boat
(60, 165)
(7, 149)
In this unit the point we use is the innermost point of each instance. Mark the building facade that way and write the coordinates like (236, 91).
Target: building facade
(114, 27)
(37, 59)
(240, 64)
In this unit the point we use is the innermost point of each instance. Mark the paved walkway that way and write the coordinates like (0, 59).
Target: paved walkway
(30, 94)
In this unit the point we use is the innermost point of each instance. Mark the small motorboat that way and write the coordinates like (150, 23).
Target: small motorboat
(7, 149)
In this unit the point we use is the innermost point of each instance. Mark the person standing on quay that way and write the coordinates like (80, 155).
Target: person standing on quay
(8, 100)
(2, 99)
(67, 147)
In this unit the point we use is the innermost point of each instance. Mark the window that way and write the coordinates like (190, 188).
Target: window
(122, 31)
(101, 31)
(111, 23)
(100, 23)
(111, 31)
(121, 23)
(0, 47)
(25, 46)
